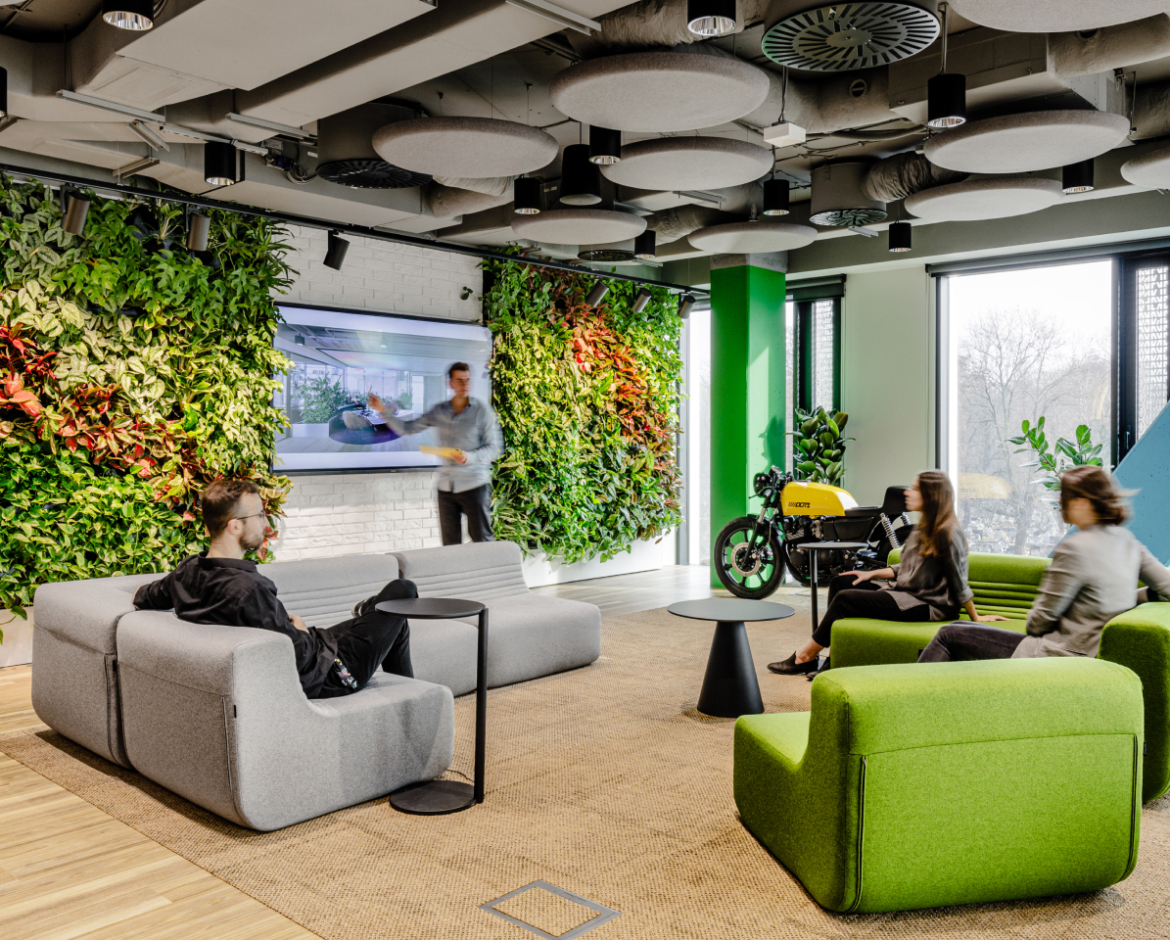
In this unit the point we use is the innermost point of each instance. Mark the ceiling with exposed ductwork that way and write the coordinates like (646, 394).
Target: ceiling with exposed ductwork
(418, 115)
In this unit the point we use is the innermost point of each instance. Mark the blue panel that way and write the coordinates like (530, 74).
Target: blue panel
(1146, 468)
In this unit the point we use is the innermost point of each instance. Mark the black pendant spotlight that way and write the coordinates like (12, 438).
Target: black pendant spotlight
(580, 179)
(527, 195)
(644, 246)
(685, 302)
(3, 92)
(605, 146)
(1077, 178)
(899, 237)
(335, 254)
(946, 94)
(137, 15)
(641, 300)
(709, 18)
(198, 228)
(597, 295)
(76, 211)
(219, 163)
(777, 194)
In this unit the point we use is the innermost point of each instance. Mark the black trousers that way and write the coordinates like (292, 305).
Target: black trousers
(476, 504)
(866, 600)
(370, 640)
(958, 642)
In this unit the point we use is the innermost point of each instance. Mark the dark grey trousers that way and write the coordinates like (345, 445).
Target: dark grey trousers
(957, 642)
(476, 504)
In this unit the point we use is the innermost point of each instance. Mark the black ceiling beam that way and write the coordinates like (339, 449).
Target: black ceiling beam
(362, 231)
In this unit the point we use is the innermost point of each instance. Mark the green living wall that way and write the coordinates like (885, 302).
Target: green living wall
(588, 400)
(132, 373)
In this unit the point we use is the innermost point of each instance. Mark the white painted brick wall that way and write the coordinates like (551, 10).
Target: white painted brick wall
(371, 512)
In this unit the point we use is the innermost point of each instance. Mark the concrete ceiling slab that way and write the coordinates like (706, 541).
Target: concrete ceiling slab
(465, 146)
(1021, 143)
(579, 226)
(972, 200)
(752, 237)
(689, 163)
(1056, 16)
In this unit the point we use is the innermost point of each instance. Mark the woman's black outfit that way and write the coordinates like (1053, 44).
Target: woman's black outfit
(868, 600)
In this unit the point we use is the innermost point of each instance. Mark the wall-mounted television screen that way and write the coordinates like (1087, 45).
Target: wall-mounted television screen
(339, 358)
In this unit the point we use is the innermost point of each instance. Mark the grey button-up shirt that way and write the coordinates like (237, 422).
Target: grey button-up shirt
(939, 581)
(1092, 579)
(475, 431)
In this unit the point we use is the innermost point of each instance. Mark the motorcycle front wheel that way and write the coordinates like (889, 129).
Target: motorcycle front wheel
(746, 571)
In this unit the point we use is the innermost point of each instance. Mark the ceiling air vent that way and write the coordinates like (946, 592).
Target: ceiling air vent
(347, 157)
(842, 37)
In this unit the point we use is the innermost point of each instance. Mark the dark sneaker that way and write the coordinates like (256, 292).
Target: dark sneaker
(790, 667)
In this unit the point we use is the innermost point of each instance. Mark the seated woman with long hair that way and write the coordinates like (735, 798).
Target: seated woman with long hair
(930, 582)
(1092, 579)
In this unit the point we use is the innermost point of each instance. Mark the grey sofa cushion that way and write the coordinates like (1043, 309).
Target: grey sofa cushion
(217, 715)
(324, 590)
(477, 571)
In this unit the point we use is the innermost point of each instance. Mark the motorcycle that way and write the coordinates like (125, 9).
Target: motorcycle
(751, 553)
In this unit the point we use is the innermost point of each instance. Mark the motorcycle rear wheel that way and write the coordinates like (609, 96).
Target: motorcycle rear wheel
(745, 576)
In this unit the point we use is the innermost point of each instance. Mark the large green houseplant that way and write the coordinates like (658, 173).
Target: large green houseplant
(818, 447)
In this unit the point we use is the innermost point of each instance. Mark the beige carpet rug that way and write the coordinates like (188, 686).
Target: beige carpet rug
(604, 782)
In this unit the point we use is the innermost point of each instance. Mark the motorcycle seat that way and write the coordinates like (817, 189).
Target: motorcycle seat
(863, 511)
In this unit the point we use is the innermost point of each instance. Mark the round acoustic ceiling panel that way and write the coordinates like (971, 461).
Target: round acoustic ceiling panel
(1150, 170)
(994, 198)
(659, 91)
(1020, 143)
(579, 226)
(1056, 16)
(737, 238)
(689, 163)
(465, 146)
(839, 37)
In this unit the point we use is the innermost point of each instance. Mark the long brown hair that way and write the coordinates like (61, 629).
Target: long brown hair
(938, 522)
(1095, 485)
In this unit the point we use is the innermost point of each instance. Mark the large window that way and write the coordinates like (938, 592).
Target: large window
(1144, 344)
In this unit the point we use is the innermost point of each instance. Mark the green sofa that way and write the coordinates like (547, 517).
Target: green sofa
(1006, 584)
(927, 785)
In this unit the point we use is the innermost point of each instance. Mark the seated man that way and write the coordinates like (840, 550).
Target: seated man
(219, 586)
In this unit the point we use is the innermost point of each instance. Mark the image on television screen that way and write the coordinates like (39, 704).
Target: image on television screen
(340, 358)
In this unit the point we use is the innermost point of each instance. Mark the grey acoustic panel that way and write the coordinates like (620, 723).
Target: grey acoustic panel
(579, 226)
(1150, 170)
(465, 146)
(1021, 143)
(659, 91)
(1056, 16)
(689, 163)
(995, 198)
(747, 238)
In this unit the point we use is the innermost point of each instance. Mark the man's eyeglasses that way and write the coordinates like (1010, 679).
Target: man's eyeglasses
(253, 516)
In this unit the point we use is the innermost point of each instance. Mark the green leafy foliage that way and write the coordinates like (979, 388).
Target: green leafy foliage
(818, 449)
(588, 401)
(132, 373)
(1053, 461)
(322, 398)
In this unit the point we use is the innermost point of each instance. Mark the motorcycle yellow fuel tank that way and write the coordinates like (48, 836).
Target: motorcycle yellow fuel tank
(815, 499)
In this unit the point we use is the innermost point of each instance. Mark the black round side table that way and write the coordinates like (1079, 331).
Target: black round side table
(435, 797)
(730, 687)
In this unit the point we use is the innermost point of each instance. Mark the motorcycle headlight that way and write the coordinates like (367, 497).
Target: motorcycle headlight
(762, 483)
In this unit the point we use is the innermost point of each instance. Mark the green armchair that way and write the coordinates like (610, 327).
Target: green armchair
(921, 786)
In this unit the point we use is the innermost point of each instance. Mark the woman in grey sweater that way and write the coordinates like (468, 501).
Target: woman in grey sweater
(930, 582)
(1092, 579)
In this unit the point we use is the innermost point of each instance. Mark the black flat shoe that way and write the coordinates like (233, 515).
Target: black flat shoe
(790, 667)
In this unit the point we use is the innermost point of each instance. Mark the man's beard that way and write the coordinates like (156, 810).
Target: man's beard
(250, 543)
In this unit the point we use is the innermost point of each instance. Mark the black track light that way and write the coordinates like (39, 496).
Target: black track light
(219, 163)
(641, 300)
(777, 194)
(899, 237)
(3, 93)
(685, 302)
(644, 246)
(77, 209)
(597, 295)
(1077, 178)
(335, 255)
(580, 179)
(708, 18)
(605, 146)
(198, 228)
(137, 15)
(527, 193)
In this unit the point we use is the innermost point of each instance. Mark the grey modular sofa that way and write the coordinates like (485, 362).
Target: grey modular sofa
(216, 713)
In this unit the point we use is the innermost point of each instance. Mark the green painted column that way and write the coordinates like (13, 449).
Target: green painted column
(748, 411)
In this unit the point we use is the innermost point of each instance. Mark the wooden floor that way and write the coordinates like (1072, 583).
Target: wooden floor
(70, 872)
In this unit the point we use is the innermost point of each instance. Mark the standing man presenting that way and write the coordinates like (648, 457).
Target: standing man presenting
(468, 426)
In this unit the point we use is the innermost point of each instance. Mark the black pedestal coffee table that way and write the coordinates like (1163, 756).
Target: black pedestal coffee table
(730, 687)
(434, 797)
